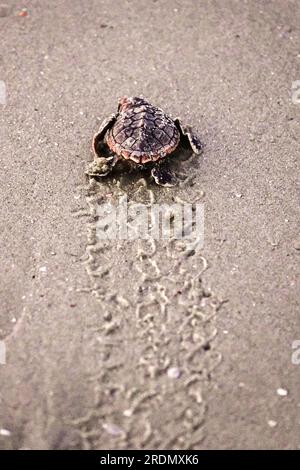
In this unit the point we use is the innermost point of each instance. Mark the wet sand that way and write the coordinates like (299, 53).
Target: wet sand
(136, 345)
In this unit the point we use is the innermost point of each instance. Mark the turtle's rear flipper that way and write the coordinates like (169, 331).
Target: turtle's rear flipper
(163, 176)
(187, 132)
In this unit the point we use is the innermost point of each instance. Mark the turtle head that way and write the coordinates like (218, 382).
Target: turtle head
(126, 102)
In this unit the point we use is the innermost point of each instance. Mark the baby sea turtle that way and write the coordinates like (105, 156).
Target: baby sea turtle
(143, 134)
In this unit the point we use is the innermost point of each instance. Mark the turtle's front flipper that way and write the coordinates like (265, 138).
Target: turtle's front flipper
(104, 158)
(194, 141)
(163, 176)
(104, 126)
(99, 146)
(101, 166)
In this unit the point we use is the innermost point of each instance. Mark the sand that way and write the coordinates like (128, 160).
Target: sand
(134, 345)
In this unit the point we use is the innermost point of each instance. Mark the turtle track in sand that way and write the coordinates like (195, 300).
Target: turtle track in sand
(153, 336)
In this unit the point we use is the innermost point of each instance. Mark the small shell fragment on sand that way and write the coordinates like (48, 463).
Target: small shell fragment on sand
(296, 244)
(272, 423)
(282, 392)
(5, 432)
(112, 429)
(23, 12)
(173, 373)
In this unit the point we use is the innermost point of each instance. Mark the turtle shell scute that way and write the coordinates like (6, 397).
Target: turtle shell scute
(143, 133)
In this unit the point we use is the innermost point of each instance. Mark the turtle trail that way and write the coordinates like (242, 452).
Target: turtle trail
(153, 335)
